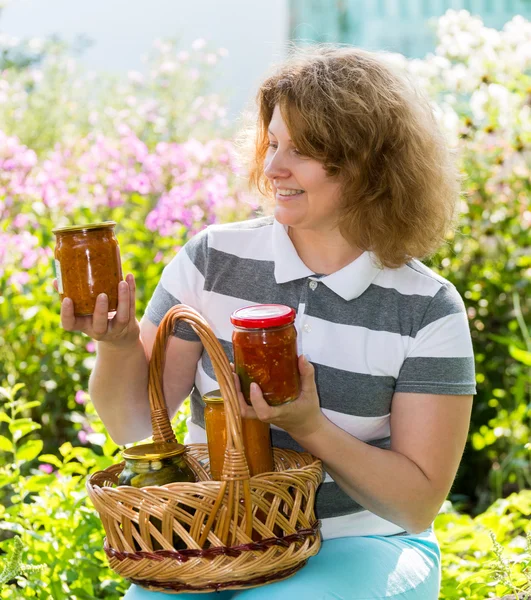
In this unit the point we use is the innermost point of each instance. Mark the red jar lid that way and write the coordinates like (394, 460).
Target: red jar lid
(262, 316)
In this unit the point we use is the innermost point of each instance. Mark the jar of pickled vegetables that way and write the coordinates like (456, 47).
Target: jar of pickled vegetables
(87, 263)
(256, 438)
(265, 351)
(155, 464)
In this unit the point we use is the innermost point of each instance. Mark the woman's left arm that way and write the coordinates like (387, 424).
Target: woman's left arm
(406, 484)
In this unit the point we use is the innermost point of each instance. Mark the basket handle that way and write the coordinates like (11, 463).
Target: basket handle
(235, 466)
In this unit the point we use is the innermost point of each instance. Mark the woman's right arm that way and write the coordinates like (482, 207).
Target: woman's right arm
(118, 385)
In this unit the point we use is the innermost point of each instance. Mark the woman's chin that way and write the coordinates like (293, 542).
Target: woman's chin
(287, 216)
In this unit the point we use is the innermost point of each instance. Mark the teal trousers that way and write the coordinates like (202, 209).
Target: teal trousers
(401, 567)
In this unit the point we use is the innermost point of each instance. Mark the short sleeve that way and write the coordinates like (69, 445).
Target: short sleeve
(182, 282)
(441, 357)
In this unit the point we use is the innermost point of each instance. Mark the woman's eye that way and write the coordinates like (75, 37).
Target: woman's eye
(272, 145)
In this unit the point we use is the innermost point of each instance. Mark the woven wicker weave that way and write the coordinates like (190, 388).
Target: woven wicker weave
(239, 532)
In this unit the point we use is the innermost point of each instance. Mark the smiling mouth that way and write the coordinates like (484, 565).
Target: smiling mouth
(287, 193)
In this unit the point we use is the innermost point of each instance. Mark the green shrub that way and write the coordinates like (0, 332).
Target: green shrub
(489, 555)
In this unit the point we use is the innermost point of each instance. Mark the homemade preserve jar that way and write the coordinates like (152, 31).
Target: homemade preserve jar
(155, 464)
(265, 351)
(87, 263)
(256, 438)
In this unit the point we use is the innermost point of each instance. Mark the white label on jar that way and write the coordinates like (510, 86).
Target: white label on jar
(59, 276)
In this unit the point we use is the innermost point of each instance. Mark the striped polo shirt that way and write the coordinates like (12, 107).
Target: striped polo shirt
(368, 331)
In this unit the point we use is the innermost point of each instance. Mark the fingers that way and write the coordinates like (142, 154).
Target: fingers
(307, 373)
(55, 285)
(263, 411)
(68, 318)
(132, 295)
(121, 318)
(247, 411)
(100, 317)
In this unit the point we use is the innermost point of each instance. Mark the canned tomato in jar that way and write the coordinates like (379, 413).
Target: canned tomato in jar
(265, 351)
(87, 263)
(256, 438)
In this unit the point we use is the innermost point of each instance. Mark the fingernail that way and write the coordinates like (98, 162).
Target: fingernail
(254, 387)
(102, 297)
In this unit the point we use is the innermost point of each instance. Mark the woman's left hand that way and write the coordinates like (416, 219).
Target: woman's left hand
(299, 418)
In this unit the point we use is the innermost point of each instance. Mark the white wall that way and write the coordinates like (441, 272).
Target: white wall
(253, 31)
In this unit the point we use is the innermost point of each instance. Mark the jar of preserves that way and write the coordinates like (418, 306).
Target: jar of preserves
(87, 263)
(155, 464)
(256, 438)
(265, 351)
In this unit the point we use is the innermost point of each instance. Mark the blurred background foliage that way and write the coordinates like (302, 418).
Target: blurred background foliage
(153, 152)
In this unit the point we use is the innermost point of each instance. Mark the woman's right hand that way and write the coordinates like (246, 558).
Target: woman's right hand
(122, 329)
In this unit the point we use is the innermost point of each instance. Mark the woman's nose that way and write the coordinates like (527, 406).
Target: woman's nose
(276, 167)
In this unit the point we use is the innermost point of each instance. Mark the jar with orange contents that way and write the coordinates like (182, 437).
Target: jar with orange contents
(265, 351)
(256, 438)
(87, 263)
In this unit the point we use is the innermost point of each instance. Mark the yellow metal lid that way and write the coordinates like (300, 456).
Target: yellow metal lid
(153, 451)
(213, 396)
(102, 225)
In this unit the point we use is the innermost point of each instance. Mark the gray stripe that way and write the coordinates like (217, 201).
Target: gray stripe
(197, 250)
(159, 305)
(350, 393)
(248, 279)
(354, 394)
(446, 301)
(437, 376)
(377, 309)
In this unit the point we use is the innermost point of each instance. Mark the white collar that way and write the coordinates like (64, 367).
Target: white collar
(349, 282)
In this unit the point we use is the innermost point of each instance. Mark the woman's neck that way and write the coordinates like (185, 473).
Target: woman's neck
(323, 252)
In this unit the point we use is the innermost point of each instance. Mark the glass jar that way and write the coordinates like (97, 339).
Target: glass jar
(87, 263)
(256, 438)
(155, 464)
(265, 351)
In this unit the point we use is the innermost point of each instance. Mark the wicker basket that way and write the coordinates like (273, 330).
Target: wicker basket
(236, 533)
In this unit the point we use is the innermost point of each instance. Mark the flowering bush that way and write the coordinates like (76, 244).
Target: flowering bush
(480, 82)
(159, 193)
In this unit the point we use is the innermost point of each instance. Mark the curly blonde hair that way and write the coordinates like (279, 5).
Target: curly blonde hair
(355, 113)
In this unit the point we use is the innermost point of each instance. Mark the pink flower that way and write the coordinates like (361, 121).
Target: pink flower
(82, 397)
(82, 436)
(46, 468)
(90, 347)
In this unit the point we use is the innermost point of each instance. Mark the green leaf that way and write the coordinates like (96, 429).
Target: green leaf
(520, 355)
(27, 405)
(51, 459)
(21, 427)
(5, 444)
(39, 483)
(6, 479)
(10, 393)
(29, 450)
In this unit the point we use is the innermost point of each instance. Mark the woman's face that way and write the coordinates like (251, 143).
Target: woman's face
(306, 197)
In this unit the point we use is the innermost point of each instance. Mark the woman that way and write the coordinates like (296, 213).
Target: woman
(362, 186)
